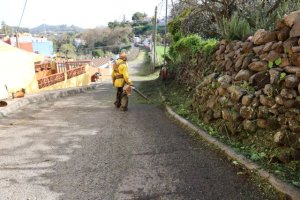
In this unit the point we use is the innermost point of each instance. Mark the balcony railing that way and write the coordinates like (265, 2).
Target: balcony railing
(76, 64)
(63, 69)
(42, 66)
(61, 66)
(51, 80)
(75, 72)
(60, 77)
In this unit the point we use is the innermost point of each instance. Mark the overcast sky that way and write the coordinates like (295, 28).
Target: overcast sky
(83, 13)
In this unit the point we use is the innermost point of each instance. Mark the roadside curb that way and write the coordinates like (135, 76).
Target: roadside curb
(43, 96)
(283, 187)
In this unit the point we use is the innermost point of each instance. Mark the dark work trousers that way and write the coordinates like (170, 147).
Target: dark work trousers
(121, 99)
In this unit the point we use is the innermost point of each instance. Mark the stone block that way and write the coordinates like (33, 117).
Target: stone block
(279, 137)
(261, 123)
(295, 32)
(274, 76)
(268, 90)
(262, 36)
(247, 99)
(291, 81)
(263, 112)
(259, 80)
(267, 101)
(283, 34)
(236, 93)
(288, 93)
(247, 47)
(243, 75)
(247, 112)
(290, 19)
(295, 59)
(296, 49)
(258, 66)
(289, 103)
(292, 70)
(249, 125)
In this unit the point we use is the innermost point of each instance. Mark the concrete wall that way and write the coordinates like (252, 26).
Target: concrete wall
(17, 68)
(77, 81)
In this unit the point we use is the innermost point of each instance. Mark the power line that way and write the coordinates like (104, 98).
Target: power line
(160, 9)
(172, 3)
(22, 16)
(169, 7)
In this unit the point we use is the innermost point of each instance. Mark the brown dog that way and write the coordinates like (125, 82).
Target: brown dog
(3, 103)
(19, 94)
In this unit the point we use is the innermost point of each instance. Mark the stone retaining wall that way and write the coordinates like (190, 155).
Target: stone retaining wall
(256, 84)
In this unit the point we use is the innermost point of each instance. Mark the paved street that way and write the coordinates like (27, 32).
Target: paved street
(80, 147)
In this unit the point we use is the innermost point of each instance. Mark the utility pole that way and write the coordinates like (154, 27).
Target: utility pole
(17, 32)
(166, 25)
(17, 39)
(164, 67)
(5, 31)
(154, 38)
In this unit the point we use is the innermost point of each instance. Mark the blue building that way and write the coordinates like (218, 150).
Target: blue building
(42, 46)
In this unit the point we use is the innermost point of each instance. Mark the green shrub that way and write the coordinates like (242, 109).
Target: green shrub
(188, 47)
(175, 25)
(98, 53)
(235, 28)
(209, 46)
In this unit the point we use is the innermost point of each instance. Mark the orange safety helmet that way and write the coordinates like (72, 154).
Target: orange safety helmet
(122, 55)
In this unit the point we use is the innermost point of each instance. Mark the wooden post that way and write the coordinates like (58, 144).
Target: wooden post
(166, 26)
(17, 40)
(154, 38)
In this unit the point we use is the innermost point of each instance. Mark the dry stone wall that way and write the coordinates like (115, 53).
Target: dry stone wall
(256, 84)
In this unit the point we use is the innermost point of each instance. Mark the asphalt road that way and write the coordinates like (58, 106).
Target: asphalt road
(81, 147)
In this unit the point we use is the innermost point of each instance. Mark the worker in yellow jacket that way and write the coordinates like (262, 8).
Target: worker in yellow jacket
(121, 81)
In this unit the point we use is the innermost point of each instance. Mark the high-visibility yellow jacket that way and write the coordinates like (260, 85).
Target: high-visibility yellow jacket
(120, 75)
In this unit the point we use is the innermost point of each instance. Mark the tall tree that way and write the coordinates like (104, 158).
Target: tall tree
(68, 50)
(138, 16)
(5, 29)
(106, 38)
(206, 16)
(61, 39)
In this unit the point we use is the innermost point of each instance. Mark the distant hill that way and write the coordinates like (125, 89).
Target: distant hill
(55, 29)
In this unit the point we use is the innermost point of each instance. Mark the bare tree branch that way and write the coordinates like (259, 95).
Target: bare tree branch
(274, 7)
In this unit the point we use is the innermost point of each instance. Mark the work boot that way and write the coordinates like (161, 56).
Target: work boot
(124, 109)
(117, 105)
